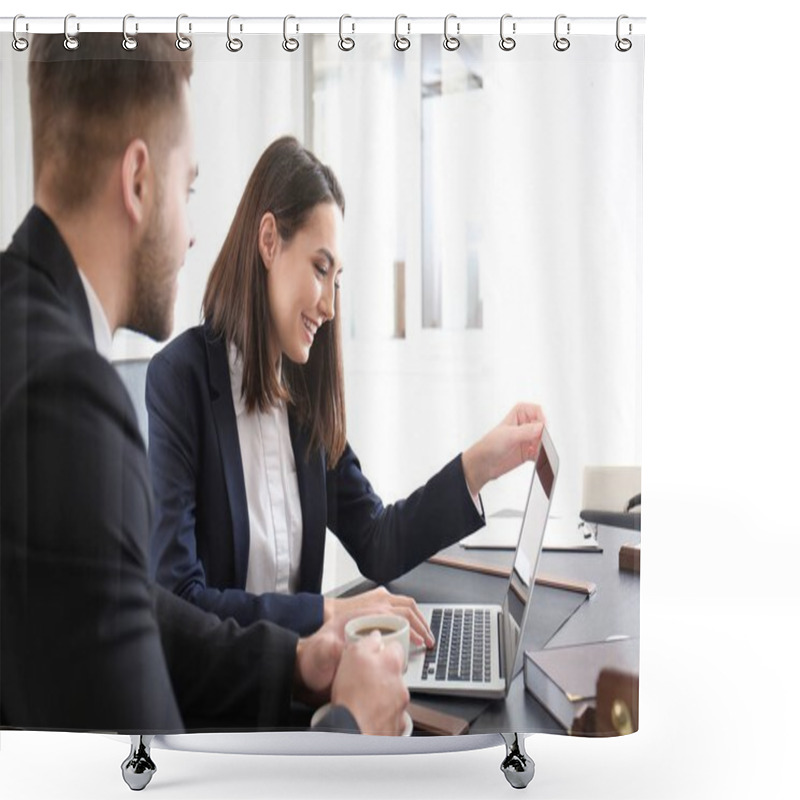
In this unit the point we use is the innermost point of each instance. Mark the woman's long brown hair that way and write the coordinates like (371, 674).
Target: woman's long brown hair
(290, 182)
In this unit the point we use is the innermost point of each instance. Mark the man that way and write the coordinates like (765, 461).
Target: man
(86, 641)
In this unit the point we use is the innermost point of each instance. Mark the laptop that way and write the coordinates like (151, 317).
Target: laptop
(478, 647)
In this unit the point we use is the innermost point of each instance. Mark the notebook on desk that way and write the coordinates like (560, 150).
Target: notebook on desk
(478, 646)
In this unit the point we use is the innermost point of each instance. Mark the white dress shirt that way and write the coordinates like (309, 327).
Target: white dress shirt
(273, 496)
(100, 327)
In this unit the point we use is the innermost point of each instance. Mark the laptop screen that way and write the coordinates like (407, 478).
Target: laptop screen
(520, 585)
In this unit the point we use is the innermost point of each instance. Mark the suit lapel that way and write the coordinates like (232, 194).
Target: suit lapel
(39, 242)
(228, 438)
(310, 475)
(313, 503)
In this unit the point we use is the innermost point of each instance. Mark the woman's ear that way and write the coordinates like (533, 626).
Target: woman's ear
(268, 238)
(137, 179)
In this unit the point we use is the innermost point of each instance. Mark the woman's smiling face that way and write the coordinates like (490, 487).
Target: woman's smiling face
(303, 276)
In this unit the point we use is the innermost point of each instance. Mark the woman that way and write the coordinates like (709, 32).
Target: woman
(248, 448)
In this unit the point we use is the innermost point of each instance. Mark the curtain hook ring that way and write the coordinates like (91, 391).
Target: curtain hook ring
(182, 42)
(128, 42)
(561, 43)
(70, 42)
(233, 44)
(401, 43)
(623, 45)
(451, 42)
(20, 44)
(346, 43)
(289, 44)
(507, 42)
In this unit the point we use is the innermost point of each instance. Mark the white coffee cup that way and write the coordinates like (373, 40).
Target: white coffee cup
(391, 628)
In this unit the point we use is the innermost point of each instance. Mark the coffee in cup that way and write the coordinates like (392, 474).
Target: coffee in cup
(390, 627)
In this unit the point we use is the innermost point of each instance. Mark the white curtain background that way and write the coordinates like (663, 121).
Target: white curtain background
(16, 164)
(492, 242)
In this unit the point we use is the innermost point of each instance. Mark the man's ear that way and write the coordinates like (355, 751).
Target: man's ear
(268, 238)
(137, 181)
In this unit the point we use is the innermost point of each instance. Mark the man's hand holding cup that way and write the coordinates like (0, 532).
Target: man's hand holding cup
(369, 681)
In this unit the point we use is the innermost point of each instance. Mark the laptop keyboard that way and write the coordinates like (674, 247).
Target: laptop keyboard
(463, 649)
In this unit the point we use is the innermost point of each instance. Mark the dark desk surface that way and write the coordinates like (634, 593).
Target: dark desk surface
(557, 618)
(613, 610)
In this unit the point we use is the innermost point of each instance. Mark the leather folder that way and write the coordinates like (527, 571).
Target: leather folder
(566, 681)
(436, 723)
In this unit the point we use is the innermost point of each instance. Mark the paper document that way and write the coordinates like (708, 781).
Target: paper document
(562, 533)
(570, 533)
(499, 533)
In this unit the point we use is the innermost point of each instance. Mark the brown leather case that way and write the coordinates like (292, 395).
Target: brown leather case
(630, 557)
(617, 708)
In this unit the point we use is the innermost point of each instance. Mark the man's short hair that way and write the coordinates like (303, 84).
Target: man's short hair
(87, 105)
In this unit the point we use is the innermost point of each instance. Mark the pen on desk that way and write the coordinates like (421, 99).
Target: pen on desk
(568, 584)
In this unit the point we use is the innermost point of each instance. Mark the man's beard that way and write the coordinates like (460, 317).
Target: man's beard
(153, 281)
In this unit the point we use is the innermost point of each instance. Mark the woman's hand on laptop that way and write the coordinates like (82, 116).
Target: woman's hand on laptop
(515, 440)
(340, 610)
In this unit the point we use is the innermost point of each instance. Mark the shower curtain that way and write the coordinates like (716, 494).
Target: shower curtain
(492, 252)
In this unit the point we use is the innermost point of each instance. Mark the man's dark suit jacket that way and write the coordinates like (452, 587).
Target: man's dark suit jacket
(201, 540)
(87, 642)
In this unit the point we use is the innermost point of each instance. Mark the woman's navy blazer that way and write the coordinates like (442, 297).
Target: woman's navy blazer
(201, 538)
